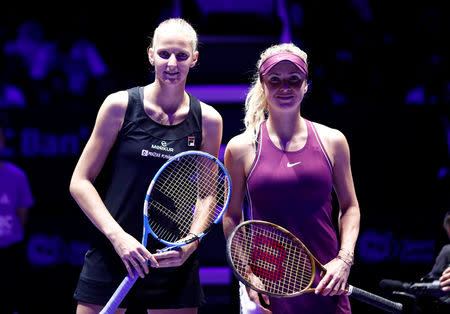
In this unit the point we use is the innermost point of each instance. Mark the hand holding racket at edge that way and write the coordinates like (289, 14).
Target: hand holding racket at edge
(283, 264)
(186, 198)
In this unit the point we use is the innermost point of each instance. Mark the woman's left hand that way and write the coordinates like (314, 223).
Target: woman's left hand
(334, 282)
(175, 257)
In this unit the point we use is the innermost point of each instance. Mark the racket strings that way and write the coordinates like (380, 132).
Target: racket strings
(174, 183)
(192, 192)
(299, 270)
(270, 260)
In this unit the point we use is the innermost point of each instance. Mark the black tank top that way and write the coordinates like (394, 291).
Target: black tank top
(141, 148)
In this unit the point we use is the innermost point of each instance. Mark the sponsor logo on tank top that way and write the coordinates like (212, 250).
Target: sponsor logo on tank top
(191, 141)
(147, 153)
(289, 165)
(163, 147)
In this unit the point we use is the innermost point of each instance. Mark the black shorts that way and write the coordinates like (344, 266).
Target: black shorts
(164, 288)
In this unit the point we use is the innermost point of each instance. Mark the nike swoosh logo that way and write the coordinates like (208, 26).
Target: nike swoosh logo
(289, 165)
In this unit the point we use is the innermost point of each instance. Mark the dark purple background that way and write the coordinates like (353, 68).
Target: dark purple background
(378, 72)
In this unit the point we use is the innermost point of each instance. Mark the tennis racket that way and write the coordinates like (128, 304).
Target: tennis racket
(186, 198)
(273, 261)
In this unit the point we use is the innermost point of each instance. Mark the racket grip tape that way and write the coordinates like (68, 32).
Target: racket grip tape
(119, 294)
(375, 300)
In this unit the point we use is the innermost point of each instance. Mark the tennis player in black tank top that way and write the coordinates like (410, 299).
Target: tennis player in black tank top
(138, 130)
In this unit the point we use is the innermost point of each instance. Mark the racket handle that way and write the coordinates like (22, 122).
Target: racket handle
(119, 294)
(375, 300)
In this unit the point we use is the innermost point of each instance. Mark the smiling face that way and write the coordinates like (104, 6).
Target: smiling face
(284, 85)
(172, 55)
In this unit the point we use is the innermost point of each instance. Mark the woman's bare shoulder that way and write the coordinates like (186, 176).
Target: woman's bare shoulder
(241, 144)
(329, 134)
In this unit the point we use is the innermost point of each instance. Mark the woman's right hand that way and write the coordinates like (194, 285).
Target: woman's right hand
(261, 300)
(134, 255)
(255, 298)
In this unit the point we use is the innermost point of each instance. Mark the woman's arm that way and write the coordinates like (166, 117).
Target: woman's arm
(335, 280)
(236, 155)
(212, 128)
(349, 216)
(108, 123)
(239, 156)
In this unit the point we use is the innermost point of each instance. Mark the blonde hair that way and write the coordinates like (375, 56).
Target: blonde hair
(256, 106)
(180, 26)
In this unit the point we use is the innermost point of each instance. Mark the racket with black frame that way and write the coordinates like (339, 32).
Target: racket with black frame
(185, 199)
(271, 260)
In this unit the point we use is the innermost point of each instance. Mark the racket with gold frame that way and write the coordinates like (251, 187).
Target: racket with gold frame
(271, 260)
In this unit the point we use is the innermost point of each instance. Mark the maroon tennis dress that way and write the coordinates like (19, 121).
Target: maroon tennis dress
(294, 190)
